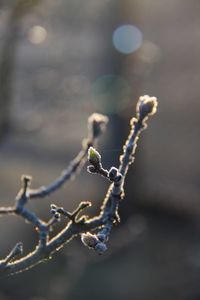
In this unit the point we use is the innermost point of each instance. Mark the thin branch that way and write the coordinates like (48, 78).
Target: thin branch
(14, 253)
(146, 106)
(58, 211)
(96, 126)
(65, 176)
(83, 226)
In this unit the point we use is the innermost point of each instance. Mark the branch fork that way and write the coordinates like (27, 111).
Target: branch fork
(94, 232)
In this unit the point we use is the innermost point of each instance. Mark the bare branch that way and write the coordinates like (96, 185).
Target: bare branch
(82, 226)
(58, 211)
(96, 126)
(146, 106)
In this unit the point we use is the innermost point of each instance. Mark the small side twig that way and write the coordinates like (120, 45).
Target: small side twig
(14, 253)
(73, 216)
(96, 126)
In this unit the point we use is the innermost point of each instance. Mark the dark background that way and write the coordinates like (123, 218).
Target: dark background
(52, 77)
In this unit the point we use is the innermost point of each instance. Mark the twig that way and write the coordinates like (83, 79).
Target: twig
(83, 226)
(96, 126)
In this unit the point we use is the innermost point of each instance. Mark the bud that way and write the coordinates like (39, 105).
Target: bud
(89, 240)
(146, 106)
(100, 248)
(26, 179)
(118, 178)
(57, 216)
(84, 204)
(97, 124)
(53, 207)
(53, 211)
(94, 157)
(112, 173)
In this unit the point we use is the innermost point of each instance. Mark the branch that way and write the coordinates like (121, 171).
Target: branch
(14, 253)
(83, 225)
(96, 126)
(146, 106)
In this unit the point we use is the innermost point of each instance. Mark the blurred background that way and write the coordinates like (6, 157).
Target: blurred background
(62, 60)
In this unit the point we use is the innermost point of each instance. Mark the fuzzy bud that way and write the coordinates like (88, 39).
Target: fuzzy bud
(118, 178)
(100, 248)
(85, 204)
(146, 106)
(112, 173)
(97, 124)
(53, 207)
(53, 211)
(89, 240)
(26, 179)
(94, 157)
(57, 216)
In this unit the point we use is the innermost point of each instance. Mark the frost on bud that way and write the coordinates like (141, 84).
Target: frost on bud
(146, 106)
(94, 157)
(118, 178)
(97, 124)
(57, 216)
(84, 204)
(53, 207)
(112, 173)
(100, 248)
(89, 240)
(56, 212)
(93, 242)
(26, 181)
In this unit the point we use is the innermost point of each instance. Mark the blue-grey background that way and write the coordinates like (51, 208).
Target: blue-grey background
(58, 64)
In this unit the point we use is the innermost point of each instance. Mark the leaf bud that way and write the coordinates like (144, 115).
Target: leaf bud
(94, 157)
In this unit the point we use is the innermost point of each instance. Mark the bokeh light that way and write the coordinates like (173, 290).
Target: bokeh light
(37, 34)
(149, 52)
(127, 38)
